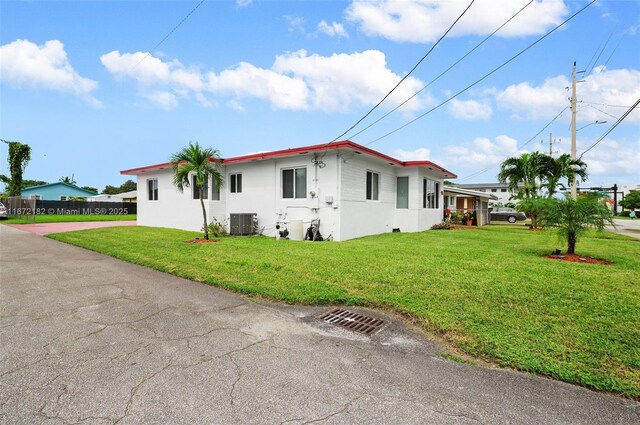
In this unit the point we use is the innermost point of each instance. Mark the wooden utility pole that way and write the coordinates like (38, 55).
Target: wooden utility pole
(574, 102)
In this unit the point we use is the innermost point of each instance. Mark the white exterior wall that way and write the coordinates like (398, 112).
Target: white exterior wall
(346, 215)
(361, 217)
(172, 209)
(262, 193)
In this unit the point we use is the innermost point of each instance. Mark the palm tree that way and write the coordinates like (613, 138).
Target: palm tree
(201, 163)
(68, 180)
(564, 166)
(525, 176)
(572, 217)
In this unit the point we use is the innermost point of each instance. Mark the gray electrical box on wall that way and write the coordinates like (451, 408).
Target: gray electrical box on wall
(242, 224)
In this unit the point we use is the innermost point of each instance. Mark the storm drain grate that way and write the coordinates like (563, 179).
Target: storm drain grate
(353, 321)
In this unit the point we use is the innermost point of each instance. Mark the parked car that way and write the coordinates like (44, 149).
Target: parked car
(3, 212)
(507, 214)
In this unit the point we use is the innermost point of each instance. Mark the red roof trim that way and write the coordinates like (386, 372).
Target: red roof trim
(345, 144)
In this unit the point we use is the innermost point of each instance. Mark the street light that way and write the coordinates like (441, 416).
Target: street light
(595, 122)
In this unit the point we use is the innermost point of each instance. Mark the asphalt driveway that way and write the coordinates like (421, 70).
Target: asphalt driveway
(89, 339)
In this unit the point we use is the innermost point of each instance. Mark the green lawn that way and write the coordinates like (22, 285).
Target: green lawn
(69, 218)
(489, 292)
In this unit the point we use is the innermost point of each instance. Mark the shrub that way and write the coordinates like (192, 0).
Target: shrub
(441, 226)
(217, 229)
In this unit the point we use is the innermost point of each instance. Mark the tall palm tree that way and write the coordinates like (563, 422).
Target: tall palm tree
(195, 161)
(525, 175)
(564, 166)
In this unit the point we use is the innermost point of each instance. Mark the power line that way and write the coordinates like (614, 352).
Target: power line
(600, 110)
(168, 35)
(601, 138)
(408, 74)
(599, 54)
(477, 173)
(614, 50)
(484, 77)
(441, 74)
(605, 104)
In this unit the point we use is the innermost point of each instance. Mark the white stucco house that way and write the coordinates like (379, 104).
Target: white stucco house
(354, 191)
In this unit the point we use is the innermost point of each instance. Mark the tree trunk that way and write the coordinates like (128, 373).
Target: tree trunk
(534, 221)
(204, 216)
(571, 243)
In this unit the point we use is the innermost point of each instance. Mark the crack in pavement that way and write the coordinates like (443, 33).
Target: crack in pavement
(135, 389)
(233, 386)
(339, 412)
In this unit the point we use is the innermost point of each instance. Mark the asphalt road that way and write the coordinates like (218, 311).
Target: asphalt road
(627, 227)
(92, 340)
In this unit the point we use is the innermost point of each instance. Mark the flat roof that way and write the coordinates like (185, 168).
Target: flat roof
(345, 144)
(468, 192)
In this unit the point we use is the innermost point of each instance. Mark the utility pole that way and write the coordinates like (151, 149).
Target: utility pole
(574, 102)
(550, 144)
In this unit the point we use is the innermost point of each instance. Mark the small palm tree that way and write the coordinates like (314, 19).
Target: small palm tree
(572, 217)
(201, 163)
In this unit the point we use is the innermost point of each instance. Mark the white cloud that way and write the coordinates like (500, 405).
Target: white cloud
(611, 157)
(603, 87)
(235, 105)
(420, 154)
(481, 152)
(295, 23)
(164, 100)
(470, 109)
(334, 29)
(296, 81)
(23, 63)
(243, 3)
(282, 91)
(426, 20)
(338, 81)
(149, 70)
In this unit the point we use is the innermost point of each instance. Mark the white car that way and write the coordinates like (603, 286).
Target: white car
(3, 212)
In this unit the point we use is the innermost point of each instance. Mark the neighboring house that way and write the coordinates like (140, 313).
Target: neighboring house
(126, 197)
(131, 196)
(104, 198)
(353, 190)
(465, 200)
(499, 190)
(58, 191)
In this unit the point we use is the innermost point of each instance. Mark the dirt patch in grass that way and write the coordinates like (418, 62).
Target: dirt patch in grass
(463, 227)
(200, 240)
(575, 258)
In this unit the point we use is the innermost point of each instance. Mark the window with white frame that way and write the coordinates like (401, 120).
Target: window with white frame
(196, 188)
(235, 183)
(373, 186)
(430, 193)
(63, 198)
(294, 183)
(152, 189)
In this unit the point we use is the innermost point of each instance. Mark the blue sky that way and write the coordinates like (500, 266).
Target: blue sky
(83, 83)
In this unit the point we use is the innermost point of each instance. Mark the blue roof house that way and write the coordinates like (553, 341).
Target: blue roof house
(58, 191)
